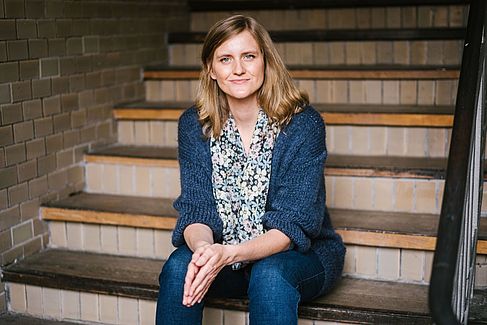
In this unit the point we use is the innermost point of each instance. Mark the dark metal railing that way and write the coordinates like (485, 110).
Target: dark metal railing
(453, 273)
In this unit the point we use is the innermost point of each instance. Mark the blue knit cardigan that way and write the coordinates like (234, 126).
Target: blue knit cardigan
(296, 198)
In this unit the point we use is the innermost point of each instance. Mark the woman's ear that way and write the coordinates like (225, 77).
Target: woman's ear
(212, 74)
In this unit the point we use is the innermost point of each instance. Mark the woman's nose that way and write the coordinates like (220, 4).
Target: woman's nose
(238, 68)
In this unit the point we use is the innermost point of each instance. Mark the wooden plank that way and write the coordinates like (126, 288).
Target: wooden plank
(309, 73)
(146, 114)
(116, 160)
(362, 238)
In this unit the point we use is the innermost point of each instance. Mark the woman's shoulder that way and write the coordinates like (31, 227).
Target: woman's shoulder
(307, 119)
(189, 116)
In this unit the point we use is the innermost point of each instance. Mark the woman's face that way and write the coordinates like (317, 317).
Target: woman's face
(238, 68)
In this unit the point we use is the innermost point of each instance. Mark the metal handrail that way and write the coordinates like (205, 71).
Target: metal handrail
(457, 199)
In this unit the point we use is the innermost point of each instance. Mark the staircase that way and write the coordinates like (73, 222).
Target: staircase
(383, 78)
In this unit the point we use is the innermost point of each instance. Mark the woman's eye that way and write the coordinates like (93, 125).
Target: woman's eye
(225, 60)
(249, 57)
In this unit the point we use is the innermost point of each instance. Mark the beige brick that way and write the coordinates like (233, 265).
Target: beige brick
(127, 241)
(52, 302)
(126, 133)
(440, 16)
(172, 134)
(408, 17)
(183, 90)
(378, 17)
(337, 53)
(364, 17)
(416, 142)
(360, 140)
(412, 265)
(445, 92)
(373, 91)
(425, 193)
(321, 53)
(126, 180)
(74, 235)
(395, 141)
(368, 53)
(425, 16)
(457, 14)
(385, 53)
(349, 266)
(91, 237)
(57, 231)
(308, 86)
(234, 317)
(142, 181)
(71, 304)
(305, 322)
(452, 52)
(163, 245)
(141, 133)
(401, 52)
(147, 312)
(435, 52)
(193, 54)
(109, 239)
(212, 316)
(167, 92)
(153, 90)
(428, 265)
(357, 91)
(426, 92)
(341, 139)
(299, 53)
(157, 132)
(145, 242)
(17, 298)
(393, 17)
(339, 92)
(390, 90)
(110, 179)
(323, 91)
(177, 54)
(352, 53)
(384, 194)
(408, 91)
(342, 192)
(436, 142)
(419, 52)
(94, 177)
(128, 311)
(389, 262)
(108, 309)
(34, 300)
(366, 260)
(377, 141)
(330, 138)
(194, 84)
(330, 189)
(89, 306)
(481, 271)
(404, 196)
(363, 193)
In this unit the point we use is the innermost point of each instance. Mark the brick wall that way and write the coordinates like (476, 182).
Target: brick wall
(63, 64)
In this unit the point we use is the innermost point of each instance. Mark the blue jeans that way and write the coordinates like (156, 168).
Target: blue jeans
(274, 286)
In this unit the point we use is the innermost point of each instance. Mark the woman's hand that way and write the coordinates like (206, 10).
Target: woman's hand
(207, 262)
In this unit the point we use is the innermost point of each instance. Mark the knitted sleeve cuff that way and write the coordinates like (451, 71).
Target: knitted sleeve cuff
(280, 221)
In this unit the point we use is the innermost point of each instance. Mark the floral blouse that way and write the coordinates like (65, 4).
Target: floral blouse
(241, 181)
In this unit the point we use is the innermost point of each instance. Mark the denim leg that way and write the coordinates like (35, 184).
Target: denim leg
(279, 282)
(170, 309)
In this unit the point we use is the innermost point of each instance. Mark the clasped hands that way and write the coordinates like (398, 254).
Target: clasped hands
(207, 261)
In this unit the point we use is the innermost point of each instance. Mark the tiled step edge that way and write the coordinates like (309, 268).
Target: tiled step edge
(20, 319)
(371, 115)
(329, 72)
(366, 228)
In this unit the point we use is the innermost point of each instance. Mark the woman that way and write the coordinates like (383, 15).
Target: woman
(252, 216)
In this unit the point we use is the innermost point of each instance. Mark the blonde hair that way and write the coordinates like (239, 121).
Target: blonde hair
(278, 96)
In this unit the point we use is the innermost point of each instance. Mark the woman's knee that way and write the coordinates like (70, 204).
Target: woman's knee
(177, 264)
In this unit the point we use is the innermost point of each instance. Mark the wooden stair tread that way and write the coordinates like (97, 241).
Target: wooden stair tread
(334, 114)
(225, 5)
(371, 166)
(20, 319)
(320, 35)
(135, 277)
(357, 72)
(371, 228)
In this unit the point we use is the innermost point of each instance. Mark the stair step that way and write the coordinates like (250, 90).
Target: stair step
(19, 319)
(378, 72)
(222, 5)
(367, 228)
(336, 165)
(352, 299)
(390, 34)
(334, 114)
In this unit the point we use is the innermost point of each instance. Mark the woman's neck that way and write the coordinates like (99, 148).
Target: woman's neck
(245, 113)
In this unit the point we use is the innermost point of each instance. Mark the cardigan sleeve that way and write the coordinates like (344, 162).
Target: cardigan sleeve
(297, 208)
(195, 203)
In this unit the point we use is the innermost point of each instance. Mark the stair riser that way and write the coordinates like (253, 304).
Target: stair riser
(346, 140)
(379, 263)
(346, 52)
(393, 92)
(92, 307)
(392, 17)
(363, 193)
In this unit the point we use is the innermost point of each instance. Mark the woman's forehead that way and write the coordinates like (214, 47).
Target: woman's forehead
(243, 41)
